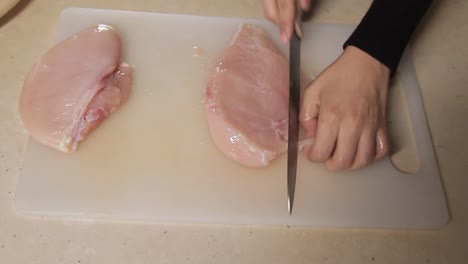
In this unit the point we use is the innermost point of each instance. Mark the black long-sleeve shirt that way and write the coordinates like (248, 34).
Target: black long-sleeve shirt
(386, 29)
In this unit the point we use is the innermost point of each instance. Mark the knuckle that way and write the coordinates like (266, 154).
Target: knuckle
(362, 162)
(356, 116)
(269, 15)
(333, 110)
(345, 164)
(331, 115)
(338, 165)
(367, 160)
(283, 4)
(358, 165)
(360, 112)
(333, 166)
(317, 156)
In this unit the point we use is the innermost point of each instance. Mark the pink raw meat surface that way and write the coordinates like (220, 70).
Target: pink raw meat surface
(247, 99)
(74, 87)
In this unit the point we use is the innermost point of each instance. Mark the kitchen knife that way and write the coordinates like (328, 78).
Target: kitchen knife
(294, 104)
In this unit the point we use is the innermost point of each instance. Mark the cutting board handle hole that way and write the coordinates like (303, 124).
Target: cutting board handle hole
(405, 162)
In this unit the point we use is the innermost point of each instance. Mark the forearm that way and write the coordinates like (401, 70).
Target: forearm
(386, 29)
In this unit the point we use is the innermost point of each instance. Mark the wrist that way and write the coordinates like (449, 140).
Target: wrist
(369, 63)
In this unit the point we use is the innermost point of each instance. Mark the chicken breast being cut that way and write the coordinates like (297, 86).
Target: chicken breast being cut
(247, 99)
(74, 87)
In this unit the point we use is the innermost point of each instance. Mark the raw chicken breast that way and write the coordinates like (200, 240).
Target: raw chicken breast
(247, 99)
(74, 87)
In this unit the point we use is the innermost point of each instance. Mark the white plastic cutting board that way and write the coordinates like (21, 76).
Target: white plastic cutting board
(153, 160)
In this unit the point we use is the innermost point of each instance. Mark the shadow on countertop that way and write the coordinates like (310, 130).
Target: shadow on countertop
(18, 8)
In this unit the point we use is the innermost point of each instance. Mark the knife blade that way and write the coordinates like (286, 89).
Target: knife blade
(294, 103)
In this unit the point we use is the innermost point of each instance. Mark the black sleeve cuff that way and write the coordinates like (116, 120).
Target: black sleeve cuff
(386, 28)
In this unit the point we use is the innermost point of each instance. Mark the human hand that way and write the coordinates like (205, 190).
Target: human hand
(282, 12)
(344, 110)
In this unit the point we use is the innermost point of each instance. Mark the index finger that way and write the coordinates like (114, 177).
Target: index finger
(270, 10)
(286, 10)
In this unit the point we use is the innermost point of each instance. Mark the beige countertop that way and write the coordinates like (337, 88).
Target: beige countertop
(441, 61)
